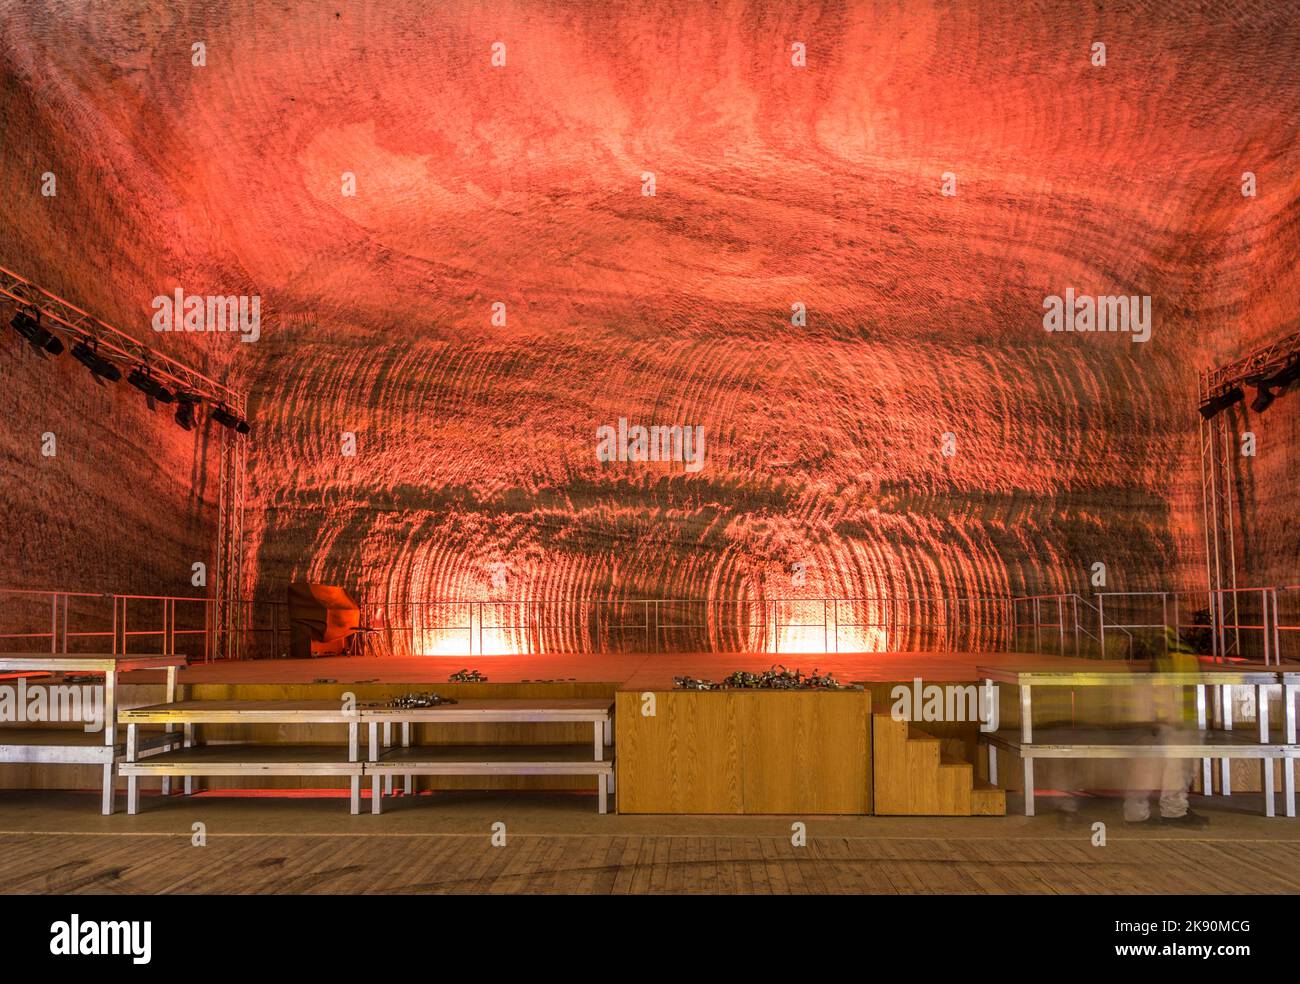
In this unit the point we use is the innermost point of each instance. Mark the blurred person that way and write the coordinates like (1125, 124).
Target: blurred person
(1163, 713)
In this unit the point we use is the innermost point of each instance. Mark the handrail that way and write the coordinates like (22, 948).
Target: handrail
(1076, 625)
(165, 628)
(855, 623)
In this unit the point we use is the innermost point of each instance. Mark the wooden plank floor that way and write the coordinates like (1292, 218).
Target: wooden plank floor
(432, 864)
(555, 846)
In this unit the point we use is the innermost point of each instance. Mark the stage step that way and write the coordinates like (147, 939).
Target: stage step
(914, 777)
(987, 801)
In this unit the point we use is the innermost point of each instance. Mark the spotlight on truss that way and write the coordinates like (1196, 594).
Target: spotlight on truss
(1269, 388)
(1264, 397)
(38, 337)
(1288, 375)
(1221, 401)
(228, 418)
(154, 391)
(185, 404)
(100, 368)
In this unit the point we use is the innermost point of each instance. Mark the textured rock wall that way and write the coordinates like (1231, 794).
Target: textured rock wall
(775, 184)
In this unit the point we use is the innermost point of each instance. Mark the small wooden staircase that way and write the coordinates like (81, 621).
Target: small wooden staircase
(913, 776)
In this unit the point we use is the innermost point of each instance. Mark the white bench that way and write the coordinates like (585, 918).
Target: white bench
(385, 760)
(1201, 742)
(242, 758)
(58, 746)
(247, 759)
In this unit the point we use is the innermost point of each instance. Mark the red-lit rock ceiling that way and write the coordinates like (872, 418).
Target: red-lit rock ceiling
(775, 184)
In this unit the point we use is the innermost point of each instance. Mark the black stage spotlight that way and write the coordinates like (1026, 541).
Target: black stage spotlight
(1264, 397)
(185, 404)
(100, 368)
(154, 391)
(37, 336)
(227, 418)
(1222, 401)
(1266, 385)
(1289, 374)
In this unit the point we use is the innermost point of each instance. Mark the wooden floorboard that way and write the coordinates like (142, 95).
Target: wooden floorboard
(288, 864)
(58, 844)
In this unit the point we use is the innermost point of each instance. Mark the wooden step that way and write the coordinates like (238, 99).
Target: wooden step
(987, 801)
(914, 777)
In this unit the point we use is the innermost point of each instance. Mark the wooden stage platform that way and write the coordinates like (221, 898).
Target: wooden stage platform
(648, 671)
(735, 752)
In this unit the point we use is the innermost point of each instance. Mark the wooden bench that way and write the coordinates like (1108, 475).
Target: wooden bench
(60, 746)
(385, 761)
(1201, 741)
(242, 758)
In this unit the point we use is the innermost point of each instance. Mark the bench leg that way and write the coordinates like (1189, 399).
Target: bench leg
(132, 795)
(1288, 785)
(110, 739)
(1270, 809)
(993, 764)
(356, 795)
(1029, 787)
(388, 743)
(1225, 764)
(188, 742)
(110, 778)
(408, 779)
(376, 801)
(601, 784)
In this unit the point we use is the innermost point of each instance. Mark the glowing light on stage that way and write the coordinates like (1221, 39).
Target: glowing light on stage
(824, 626)
(467, 629)
(440, 642)
(453, 642)
(814, 639)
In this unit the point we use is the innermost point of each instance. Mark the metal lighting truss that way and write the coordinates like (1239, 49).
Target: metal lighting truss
(1261, 363)
(58, 315)
(1216, 504)
(230, 610)
(1217, 483)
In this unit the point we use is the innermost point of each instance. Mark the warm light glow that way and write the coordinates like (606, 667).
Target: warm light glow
(815, 639)
(440, 642)
(461, 642)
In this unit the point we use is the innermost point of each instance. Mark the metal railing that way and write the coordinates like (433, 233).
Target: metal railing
(1114, 624)
(1072, 631)
(1241, 622)
(119, 623)
(1284, 604)
(1238, 622)
(800, 625)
